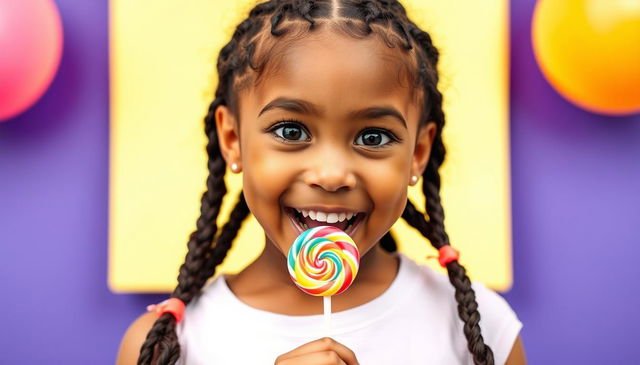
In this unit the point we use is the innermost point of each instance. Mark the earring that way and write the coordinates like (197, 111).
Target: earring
(414, 180)
(234, 167)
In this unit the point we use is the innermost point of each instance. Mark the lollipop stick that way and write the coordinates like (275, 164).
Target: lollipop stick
(327, 316)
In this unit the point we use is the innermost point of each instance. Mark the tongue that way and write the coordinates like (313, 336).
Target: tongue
(313, 223)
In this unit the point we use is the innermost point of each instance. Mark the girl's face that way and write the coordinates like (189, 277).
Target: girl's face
(328, 137)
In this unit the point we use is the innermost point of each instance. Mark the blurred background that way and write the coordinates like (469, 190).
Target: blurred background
(576, 214)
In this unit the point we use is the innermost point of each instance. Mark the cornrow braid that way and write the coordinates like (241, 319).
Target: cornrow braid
(304, 9)
(278, 17)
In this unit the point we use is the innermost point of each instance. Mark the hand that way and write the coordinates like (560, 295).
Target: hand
(324, 351)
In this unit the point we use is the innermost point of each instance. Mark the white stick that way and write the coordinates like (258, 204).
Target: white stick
(327, 316)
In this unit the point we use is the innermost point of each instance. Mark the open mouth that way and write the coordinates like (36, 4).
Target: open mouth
(306, 219)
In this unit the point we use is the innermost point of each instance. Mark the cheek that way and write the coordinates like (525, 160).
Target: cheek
(261, 167)
(264, 174)
(261, 190)
(388, 189)
(265, 180)
(391, 197)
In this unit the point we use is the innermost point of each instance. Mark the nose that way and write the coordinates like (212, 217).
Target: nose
(330, 175)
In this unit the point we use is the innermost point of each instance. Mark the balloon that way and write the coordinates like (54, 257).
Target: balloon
(589, 50)
(30, 51)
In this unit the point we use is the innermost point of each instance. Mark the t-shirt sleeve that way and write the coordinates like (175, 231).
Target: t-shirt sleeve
(499, 324)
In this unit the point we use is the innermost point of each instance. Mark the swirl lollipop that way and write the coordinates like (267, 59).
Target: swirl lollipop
(323, 261)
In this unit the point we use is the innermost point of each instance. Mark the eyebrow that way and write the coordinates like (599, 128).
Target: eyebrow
(305, 107)
(379, 112)
(292, 105)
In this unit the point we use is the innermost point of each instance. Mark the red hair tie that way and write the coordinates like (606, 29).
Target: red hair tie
(174, 306)
(446, 254)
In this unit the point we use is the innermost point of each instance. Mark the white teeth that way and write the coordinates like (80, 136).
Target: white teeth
(321, 216)
(326, 217)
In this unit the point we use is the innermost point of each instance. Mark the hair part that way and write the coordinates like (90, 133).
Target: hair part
(256, 49)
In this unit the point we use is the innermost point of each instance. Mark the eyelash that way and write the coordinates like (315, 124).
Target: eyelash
(294, 123)
(288, 123)
(368, 130)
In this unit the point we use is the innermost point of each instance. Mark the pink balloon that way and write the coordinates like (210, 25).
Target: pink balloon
(30, 51)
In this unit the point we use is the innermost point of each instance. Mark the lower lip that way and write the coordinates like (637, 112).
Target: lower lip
(351, 231)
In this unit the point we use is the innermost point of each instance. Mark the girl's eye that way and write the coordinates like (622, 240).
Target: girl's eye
(290, 132)
(375, 138)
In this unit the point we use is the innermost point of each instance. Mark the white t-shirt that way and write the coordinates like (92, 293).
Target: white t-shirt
(415, 321)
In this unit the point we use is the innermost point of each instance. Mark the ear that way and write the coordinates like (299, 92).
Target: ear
(228, 136)
(422, 150)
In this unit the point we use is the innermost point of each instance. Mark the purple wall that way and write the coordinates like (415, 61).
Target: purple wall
(576, 216)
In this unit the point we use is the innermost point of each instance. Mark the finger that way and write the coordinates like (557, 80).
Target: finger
(321, 345)
(314, 358)
(345, 353)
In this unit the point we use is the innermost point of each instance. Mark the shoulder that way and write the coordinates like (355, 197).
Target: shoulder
(134, 338)
(490, 304)
(499, 324)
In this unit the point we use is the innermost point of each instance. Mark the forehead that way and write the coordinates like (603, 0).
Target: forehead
(335, 71)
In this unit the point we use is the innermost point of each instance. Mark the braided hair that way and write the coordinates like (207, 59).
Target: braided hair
(241, 63)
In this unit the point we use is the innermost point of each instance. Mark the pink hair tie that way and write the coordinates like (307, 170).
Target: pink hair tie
(174, 306)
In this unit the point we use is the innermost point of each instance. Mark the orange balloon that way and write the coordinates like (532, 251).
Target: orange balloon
(589, 50)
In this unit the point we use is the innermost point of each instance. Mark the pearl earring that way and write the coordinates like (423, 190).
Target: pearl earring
(234, 167)
(414, 179)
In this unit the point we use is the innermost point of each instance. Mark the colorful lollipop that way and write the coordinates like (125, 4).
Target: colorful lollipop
(323, 261)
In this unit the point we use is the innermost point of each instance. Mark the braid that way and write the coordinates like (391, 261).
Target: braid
(200, 240)
(416, 219)
(304, 9)
(226, 237)
(161, 345)
(163, 335)
(464, 294)
(278, 17)
(433, 229)
(388, 242)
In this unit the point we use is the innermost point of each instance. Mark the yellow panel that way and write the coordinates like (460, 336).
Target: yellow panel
(163, 56)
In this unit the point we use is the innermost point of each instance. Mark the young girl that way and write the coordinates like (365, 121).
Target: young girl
(330, 108)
